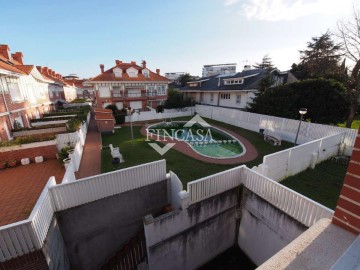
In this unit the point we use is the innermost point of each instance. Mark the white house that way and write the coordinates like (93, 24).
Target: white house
(232, 91)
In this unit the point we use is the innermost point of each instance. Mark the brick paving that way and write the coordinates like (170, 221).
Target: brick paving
(91, 159)
(183, 147)
(21, 186)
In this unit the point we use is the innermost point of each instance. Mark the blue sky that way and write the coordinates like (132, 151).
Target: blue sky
(177, 35)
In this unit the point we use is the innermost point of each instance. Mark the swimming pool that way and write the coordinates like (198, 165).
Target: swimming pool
(207, 141)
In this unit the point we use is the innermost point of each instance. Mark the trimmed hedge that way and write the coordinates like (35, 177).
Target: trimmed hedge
(119, 118)
(38, 127)
(27, 139)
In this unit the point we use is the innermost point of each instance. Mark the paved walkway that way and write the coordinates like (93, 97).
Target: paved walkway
(91, 159)
(183, 147)
(21, 186)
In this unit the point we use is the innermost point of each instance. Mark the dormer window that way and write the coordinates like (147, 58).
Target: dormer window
(117, 72)
(193, 84)
(146, 73)
(234, 81)
(132, 72)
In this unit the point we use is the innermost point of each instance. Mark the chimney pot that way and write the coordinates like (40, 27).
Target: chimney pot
(18, 56)
(102, 68)
(158, 71)
(5, 51)
(143, 63)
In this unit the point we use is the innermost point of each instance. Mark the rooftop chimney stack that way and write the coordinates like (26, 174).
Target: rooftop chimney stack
(247, 67)
(102, 68)
(133, 62)
(5, 51)
(143, 63)
(45, 70)
(18, 56)
(118, 62)
(49, 71)
(158, 71)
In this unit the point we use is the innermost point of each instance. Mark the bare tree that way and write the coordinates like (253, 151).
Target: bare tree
(349, 33)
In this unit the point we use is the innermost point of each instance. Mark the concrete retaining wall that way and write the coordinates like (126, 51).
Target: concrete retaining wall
(188, 238)
(264, 229)
(95, 231)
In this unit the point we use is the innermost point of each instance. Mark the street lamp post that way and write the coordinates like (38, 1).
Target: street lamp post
(302, 111)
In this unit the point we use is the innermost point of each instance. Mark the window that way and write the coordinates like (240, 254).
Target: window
(151, 92)
(132, 72)
(234, 81)
(225, 96)
(116, 92)
(15, 92)
(238, 99)
(145, 72)
(161, 90)
(212, 97)
(104, 91)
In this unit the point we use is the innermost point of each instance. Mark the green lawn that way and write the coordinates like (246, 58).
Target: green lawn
(355, 124)
(322, 184)
(188, 169)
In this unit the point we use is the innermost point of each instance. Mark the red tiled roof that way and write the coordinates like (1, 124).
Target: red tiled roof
(77, 82)
(25, 68)
(7, 65)
(103, 116)
(108, 75)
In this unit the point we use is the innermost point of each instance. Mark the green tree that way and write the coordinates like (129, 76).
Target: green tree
(321, 58)
(183, 79)
(266, 63)
(324, 98)
(176, 100)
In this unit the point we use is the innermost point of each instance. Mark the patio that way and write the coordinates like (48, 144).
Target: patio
(20, 188)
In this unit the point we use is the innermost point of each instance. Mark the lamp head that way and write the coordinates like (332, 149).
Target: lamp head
(303, 111)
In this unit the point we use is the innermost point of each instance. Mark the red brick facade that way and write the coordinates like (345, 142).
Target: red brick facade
(31, 261)
(48, 152)
(347, 212)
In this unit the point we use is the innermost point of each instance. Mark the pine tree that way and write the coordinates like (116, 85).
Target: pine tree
(321, 59)
(265, 64)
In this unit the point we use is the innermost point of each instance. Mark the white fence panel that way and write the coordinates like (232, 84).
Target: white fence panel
(303, 209)
(286, 128)
(17, 239)
(153, 115)
(277, 164)
(93, 188)
(42, 213)
(67, 139)
(176, 187)
(211, 185)
(330, 147)
(26, 236)
(69, 175)
(291, 161)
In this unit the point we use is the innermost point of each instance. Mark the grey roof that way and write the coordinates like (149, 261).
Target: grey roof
(212, 83)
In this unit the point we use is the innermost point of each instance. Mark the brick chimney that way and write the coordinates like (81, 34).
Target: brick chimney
(53, 73)
(5, 51)
(143, 63)
(45, 70)
(158, 71)
(118, 62)
(102, 68)
(133, 62)
(18, 56)
(347, 211)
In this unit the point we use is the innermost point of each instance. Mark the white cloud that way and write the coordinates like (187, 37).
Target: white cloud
(230, 2)
(279, 10)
